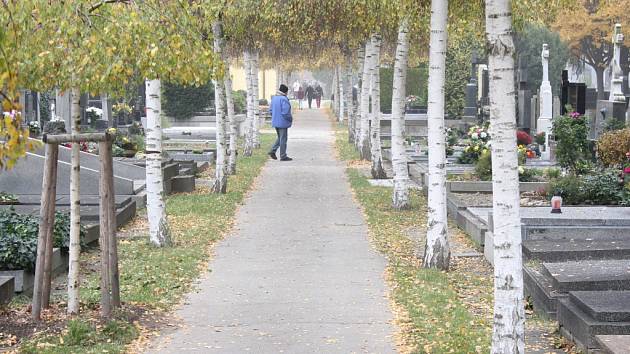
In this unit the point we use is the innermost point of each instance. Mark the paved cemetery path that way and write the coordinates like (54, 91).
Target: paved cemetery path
(298, 275)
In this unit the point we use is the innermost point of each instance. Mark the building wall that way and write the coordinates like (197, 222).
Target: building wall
(266, 81)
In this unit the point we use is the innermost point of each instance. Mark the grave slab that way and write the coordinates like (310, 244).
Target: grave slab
(614, 344)
(589, 275)
(7, 289)
(566, 250)
(606, 306)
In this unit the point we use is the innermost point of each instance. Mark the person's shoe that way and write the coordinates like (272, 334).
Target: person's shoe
(286, 158)
(273, 155)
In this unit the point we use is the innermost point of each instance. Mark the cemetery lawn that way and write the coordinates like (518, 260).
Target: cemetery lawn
(429, 305)
(153, 280)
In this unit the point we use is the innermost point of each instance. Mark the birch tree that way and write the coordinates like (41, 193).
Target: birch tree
(509, 311)
(220, 179)
(375, 126)
(74, 249)
(249, 98)
(233, 130)
(437, 252)
(159, 231)
(364, 131)
(347, 82)
(255, 98)
(400, 195)
(359, 114)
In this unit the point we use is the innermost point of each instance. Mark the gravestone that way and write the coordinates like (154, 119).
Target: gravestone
(535, 111)
(546, 102)
(573, 94)
(615, 106)
(616, 88)
(524, 97)
(470, 109)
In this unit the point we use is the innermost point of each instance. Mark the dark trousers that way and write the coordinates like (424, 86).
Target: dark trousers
(281, 142)
(310, 100)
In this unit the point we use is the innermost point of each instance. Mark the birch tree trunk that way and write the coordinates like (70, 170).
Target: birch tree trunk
(255, 92)
(400, 197)
(233, 138)
(159, 232)
(509, 312)
(375, 126)
(340, 91)
(347, 83)
(364, 132)
(359, 114)
(437, 253)
(220, 179)
(74, 249)
(249, 118)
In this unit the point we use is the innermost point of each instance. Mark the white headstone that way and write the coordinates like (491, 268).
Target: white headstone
(616, 88)
(546, 102)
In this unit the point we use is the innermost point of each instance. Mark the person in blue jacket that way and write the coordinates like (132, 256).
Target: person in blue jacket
(281, 119)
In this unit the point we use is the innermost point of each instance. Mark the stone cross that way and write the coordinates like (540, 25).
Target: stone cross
(616, 89)
(546, 102)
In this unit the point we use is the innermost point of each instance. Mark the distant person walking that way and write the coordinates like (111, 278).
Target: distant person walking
(310, 94)
(281, 119)
(319, 93)
(300, 97)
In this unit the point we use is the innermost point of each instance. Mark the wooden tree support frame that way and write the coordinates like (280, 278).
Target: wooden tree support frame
(110, 289)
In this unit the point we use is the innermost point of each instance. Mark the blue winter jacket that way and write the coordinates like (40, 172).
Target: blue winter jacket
(280, 110)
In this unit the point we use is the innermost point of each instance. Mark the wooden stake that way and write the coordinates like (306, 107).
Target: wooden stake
(105, 228)
(107, 172)
(49, 192)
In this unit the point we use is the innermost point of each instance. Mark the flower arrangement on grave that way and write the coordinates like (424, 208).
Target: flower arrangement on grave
(123, 144)
(8, 198)
(478, 142)
(522, 138)
(34, 128)
(93, 114)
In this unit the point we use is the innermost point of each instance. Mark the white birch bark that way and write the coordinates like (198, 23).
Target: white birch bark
(509, 316)
(437, 252)
(347, 83)
(249, 118)
(255, 92)
(358, 114)
(74, 249)
(233, 138)
(364, 132)
(220, 178)
(400, 197)
(375, 126)
(159, 232)
(340, 90)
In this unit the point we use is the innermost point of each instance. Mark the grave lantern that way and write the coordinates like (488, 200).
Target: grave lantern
(556, 204)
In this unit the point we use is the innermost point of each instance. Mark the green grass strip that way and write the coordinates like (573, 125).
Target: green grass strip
(437, 321)
(156, 278)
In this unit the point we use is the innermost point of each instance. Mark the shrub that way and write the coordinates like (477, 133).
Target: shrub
(182, 102)
(483, 168)
(613, 146)
(572, 147)
(602, 187)
(522, 138)
(17, 252)
(416, 85)
(18, 238)
(240, 101)
(569, 188)
(540, 138)
(614, 124)
(552, 173)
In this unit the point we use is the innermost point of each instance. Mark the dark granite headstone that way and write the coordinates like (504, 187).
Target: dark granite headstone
(55, 127)
(573, 94)
(524, 97)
